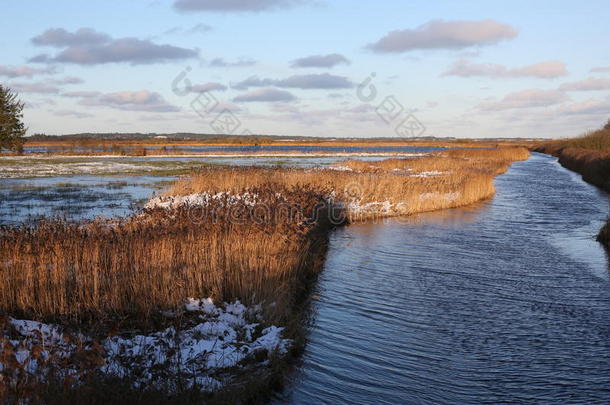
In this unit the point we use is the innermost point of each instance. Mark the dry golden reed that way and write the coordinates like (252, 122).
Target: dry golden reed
(444, 180)
(61, 271)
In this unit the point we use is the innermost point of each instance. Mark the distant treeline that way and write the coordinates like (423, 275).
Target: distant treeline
(209, 138)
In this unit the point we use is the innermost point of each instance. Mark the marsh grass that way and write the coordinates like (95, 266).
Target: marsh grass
(131, 269)
(588, 155)
(466, 176)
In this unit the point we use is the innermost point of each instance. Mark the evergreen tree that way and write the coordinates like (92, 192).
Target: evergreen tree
(12, 129)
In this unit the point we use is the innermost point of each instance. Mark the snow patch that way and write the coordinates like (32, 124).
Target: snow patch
(226, 336)
(200, 199)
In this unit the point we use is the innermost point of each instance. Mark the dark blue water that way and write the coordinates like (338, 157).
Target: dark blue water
(251, 148)
(504, 302)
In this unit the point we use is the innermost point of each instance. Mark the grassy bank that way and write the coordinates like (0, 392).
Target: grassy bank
(588, 155)
(257, 235)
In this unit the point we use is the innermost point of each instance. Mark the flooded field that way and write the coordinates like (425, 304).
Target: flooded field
(239, 149)
(89, 187)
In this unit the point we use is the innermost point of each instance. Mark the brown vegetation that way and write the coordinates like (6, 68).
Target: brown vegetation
(446, 180)
(588, 155)
(110, 277)
(162, 146)
(106, 271)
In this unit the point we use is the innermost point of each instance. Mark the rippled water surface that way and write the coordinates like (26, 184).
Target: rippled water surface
(504, 302)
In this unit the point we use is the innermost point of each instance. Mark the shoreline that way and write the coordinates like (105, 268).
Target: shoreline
(594, 168)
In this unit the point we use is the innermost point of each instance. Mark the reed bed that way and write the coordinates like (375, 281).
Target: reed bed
(388, 187)
(103, 271)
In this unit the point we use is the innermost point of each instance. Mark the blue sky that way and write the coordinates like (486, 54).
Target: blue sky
(292, 67)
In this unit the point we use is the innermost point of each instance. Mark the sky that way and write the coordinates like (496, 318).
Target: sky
(333, 68)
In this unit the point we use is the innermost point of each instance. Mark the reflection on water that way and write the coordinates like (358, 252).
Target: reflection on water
(505, 302)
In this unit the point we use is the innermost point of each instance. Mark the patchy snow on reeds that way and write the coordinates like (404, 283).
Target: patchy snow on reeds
(221, 337)
(431, 173)
(201, 199)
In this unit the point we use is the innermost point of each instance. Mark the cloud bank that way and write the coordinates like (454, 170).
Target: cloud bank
(234, 5)
(323, 61)
(526, 99)
(542, 70)
(86, 46)
(311, 81)
(142, 100)
(590, 84)
(24, 71)
(440, 34)
(265, 95)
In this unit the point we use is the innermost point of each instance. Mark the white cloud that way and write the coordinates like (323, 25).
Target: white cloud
(542, 70)
(311, 81)
(589, 107)
(590, 84)
(440, 34)
(39, 87)
(266, 95)
(72, 113)
(24, 71)
(211, 86)
(234, 5)
(324, 61)
(81, 94)
(142, 100)
(526, 99)
(222, 63)
(89, 47)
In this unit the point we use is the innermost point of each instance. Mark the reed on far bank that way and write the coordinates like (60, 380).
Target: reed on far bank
(588, 155)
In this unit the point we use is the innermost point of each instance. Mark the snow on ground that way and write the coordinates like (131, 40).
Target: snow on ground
(340, 168)
(200, 199)
(72, 168)
(223, 337)
(432, 173)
